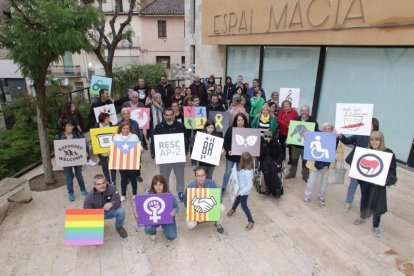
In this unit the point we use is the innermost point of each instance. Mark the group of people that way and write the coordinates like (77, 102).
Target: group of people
(248, 108)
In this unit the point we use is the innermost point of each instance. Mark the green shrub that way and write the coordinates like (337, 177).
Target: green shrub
(127, 77)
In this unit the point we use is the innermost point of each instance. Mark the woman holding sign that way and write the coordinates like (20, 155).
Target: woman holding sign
(125, 135)
(240, 120)
(160, 186)
(209, 128)
(377, 200)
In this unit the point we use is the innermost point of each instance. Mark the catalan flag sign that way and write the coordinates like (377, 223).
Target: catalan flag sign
(84, 227)
(124, 155)
(203, 204)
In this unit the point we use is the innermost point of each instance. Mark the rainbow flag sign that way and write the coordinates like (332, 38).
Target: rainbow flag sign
(194, 117)
(84, 227)
(203, 204)
(125, 155)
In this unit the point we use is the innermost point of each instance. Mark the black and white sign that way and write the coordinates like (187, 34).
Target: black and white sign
(70, 152)
(207, 148)
(169, 148)
(245, 139)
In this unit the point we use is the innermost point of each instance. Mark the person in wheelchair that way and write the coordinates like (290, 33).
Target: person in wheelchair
(271, 158)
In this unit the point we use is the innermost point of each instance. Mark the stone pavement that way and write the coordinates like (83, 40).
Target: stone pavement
(289, 238)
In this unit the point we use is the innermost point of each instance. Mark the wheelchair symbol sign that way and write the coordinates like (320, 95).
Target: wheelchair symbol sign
(320, 146)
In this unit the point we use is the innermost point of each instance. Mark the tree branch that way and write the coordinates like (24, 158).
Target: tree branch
(35, 26)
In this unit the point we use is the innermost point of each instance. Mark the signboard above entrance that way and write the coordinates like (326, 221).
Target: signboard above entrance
(308, 22)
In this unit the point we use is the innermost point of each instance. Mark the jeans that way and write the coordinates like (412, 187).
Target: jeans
(351, 190)
(130, 175)
(118, 214)
(243, 200)
(227, 173)
(170, 230)
(165, 170)
(104, 163)
(376, 220)
(69, 178)
(313, 176)
(296, 153)
(365, 188)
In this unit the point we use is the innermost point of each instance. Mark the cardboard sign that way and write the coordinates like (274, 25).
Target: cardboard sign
(141, 115)
(110, 109)
(98, 83)
(354, 119)
(84, 227)
(101, 139)
(154, 209)
(370, 165)
(207, 148)
(291, 94)
(169, 148)
(70, 152)
(203, 204)
(124, 155)
(297, 132)
(320, 146)
(194, 117)
(245, 139)
(221, 120)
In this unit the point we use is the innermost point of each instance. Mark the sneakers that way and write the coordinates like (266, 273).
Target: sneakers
(71, 196)
(306, 201)
(249, 226)
(359, 221)
(231, 212)
(321, 201)
(347, 207)
(376, 232)
(84, 192)
(139, 178)
(219, 228)
(181, 196)
(122, 199)
(122, 232)
(133, 198)
(90, 163)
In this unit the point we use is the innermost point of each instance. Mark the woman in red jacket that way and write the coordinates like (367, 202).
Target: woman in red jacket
(286, 114)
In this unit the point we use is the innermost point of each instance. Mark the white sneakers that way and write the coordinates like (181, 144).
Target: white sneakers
(122, 199)
(90, 163)
(347, 207)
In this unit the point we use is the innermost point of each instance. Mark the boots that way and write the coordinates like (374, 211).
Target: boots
(277, 193)
(292, 172)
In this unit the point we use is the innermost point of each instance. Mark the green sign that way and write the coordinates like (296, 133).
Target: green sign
(297, 132)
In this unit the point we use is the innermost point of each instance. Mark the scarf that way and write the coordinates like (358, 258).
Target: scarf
(264, 119)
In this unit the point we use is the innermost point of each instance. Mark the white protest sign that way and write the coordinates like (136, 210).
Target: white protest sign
(70, 152)
(291, 94)
(370, 165)
(169, 148)
(354, 119)
(110, 109)
(207, 148)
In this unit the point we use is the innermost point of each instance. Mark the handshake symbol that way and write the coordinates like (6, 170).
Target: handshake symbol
(203, 205)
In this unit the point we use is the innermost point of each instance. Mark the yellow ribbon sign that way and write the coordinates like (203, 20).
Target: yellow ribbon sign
(218, 118)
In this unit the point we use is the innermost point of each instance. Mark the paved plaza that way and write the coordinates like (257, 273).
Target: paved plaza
(289, 238)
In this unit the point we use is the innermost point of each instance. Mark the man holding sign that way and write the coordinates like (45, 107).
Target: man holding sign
(171, 126)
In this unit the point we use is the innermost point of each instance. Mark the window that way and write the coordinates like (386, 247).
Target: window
(118, 6)
(164, 60)
(182, 59)
(243, 60)
(162, 28)
(78, 85)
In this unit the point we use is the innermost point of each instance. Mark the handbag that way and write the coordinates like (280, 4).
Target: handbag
(337, 175)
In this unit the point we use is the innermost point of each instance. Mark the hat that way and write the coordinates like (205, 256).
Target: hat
(267, 133)
(237, 98)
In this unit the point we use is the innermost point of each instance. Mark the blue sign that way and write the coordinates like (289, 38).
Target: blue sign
(320, 146)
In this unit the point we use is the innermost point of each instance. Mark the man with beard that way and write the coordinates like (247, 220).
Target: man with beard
(142, 90)
(198, 89)
(169, 126)
(166, 91)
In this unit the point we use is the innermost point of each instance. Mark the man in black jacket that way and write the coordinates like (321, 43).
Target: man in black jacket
(169, 126)
(199, 89)
(297, 151)
(105, 196)
(104, 99)
(166, 90)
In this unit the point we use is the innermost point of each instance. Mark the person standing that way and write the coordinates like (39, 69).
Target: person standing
(166, 90)
(283, 119)
(256, 86)
(297, 151)
(198, 89)
(142, 90)
(110, 175)
(169, 126)
(374, 197)
(104, 99)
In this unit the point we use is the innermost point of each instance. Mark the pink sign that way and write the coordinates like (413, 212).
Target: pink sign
(141, 115)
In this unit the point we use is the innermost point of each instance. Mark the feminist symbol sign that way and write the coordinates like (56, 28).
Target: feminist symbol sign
(154, 209)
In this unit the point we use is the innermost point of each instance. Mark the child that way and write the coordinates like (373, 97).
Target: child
(245, 177)
(68, 133)
(209, 128)
(159, 186)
